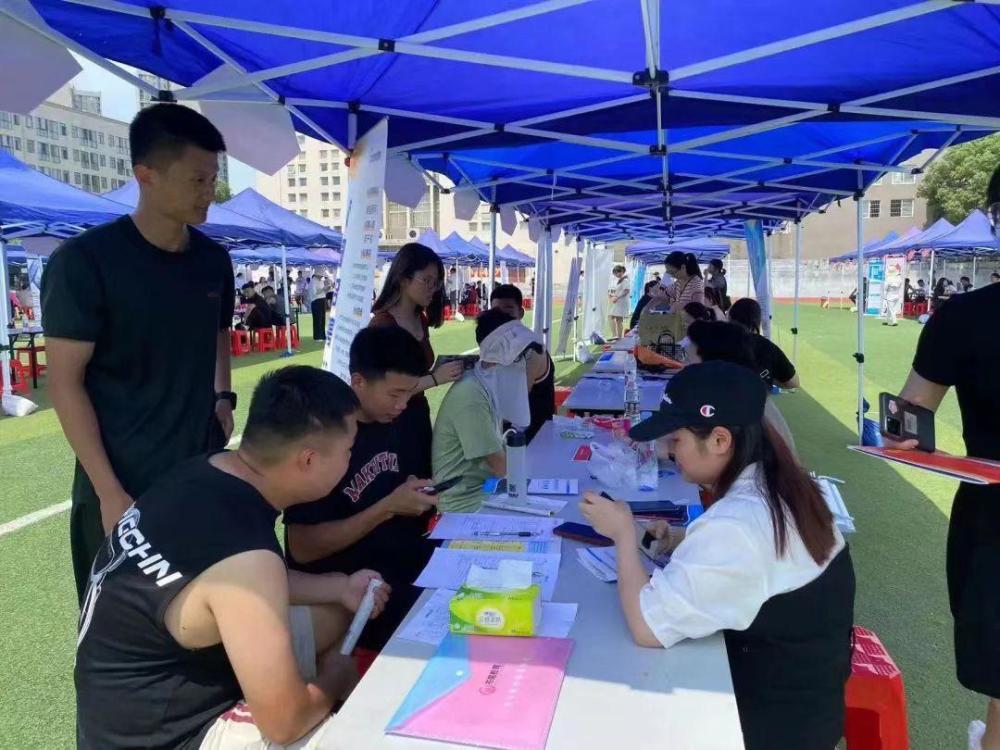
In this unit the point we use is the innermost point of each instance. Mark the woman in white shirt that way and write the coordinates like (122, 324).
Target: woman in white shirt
(764, 564)
(619, 296)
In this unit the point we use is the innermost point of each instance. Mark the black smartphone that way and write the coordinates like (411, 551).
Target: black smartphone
(901, 420)
(440, 487)
(581, 532)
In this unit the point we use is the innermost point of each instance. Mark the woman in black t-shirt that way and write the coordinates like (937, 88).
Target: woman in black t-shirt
(775, 366)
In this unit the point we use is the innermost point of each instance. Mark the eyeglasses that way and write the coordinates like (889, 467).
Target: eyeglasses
(432, 283)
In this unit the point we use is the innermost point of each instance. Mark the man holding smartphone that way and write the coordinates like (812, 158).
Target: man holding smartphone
(376, 513)
(973, 558)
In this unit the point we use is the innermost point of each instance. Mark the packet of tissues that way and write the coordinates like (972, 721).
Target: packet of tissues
(497, 601)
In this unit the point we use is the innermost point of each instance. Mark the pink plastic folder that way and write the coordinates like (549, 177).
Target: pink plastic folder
(487, 691)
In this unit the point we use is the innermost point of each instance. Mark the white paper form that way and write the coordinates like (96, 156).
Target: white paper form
(553, 547)
(554, 486)
(529, 504)
(448, 568)
(488, 527)
(431, 623)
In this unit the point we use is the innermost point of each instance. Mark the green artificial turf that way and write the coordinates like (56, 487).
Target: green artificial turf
(901, 515)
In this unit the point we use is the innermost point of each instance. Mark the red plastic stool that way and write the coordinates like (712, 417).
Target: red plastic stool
(363, 659)
(283, 340)
(34, 367)
(262, 339)
(18, 378)
(240, 342)
(528, 302)
(562, 393)
(875, 698)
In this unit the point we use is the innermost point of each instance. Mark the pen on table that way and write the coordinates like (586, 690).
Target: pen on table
(504, 533)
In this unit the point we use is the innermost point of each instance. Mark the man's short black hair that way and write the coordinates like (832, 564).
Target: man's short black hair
(161, 132)
(381, 350)
(248, 285)
(266, 288)
(650, 285)
(507, 291)
(293, 402)
(488, 322)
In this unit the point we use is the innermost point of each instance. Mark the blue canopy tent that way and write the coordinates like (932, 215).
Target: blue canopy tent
(972, 234)
(222, 225)
(514, 77)
(852, 256)
(913, 242)
(703, 249)
(515, 258)
(297, 231)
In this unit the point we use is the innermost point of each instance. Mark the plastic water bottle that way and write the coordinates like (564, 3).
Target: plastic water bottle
(515, 442)
(631, 387)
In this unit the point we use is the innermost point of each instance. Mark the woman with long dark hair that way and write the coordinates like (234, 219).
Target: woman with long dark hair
(775, 367)
(413, 299)
(688, 286)
(764, 564)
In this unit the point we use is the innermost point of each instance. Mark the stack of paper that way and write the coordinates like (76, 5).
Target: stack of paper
(493, 528)
(449, 568)
(430, 623)
(602, 562)
(530, 504)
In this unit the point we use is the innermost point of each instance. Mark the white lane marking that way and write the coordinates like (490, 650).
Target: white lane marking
(30, 518)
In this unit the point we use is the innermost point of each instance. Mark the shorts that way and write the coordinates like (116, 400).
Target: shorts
(973, 591)
(236, 730)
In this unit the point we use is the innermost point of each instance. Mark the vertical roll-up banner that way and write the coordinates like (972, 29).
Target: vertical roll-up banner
(34, 268)
(352, 310)
(876, 280)
(757, 253)
(637, 278)
(569, 308)
(541, 271)
(590, 322)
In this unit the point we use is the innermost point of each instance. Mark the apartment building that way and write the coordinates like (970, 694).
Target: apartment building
(69, 139)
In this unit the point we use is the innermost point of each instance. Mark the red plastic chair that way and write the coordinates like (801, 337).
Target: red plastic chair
(263, 340)
(562, 393)
(34, 367)
(18, 378)
(875, 698)
(282, 339)
(240, 342)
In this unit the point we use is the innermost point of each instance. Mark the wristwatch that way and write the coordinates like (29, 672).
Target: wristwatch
(228, 396)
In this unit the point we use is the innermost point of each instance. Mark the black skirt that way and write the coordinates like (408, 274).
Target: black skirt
(974, 586)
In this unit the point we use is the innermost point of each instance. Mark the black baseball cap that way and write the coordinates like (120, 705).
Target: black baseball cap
(709, 394)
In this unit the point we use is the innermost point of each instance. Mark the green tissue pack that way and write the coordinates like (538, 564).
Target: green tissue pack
(514, 612)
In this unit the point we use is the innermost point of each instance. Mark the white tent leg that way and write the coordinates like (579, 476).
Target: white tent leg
(288, 307)
(4, 323)
(795, 303)
(931, 282)
(493, 251)
(973, 271)
(860, 354)
(548, 290)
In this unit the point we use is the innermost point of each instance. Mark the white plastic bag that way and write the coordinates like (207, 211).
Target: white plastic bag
(615, 465)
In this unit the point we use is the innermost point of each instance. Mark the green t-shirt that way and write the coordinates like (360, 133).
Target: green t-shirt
(466, 431)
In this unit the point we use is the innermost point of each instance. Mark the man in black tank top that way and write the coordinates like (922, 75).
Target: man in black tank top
(187, 638)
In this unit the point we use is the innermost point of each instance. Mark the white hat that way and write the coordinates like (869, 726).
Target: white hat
(508, 342)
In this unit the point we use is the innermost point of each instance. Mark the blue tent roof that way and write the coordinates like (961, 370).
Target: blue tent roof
(785, 93)
(704, 249)
(912, 242)
(34, 203)
(974, 232)
(886, 247)
(872, 246)
(296, 230)
(515, 258)
(222, 224)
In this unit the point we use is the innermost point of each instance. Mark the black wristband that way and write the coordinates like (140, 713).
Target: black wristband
(227, 396)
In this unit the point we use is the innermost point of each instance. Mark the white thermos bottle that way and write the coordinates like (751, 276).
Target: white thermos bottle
(516, 442)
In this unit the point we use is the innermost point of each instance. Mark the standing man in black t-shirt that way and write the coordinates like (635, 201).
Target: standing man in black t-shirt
(376, 517)
(958, 347)
(193, 634)
(139, 385)
(542, 395)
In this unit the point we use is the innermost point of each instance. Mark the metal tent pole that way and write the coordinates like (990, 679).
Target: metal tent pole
(932, 271)
(795, 304)
(288, 307)
(4, 323)
(494, 209)
(859, 355)
(973, 271)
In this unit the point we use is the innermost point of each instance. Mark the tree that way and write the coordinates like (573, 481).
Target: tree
(956, 184)
(222, 191)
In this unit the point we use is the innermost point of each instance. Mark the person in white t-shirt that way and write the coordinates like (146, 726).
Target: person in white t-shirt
(764, 564)
(619, 297)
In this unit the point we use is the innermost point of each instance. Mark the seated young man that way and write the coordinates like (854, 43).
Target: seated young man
(376, 514)
(542, 396)
(258, 313)
(187, 637)
(468, 432)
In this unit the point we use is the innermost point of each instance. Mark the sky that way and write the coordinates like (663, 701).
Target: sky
(120, 101)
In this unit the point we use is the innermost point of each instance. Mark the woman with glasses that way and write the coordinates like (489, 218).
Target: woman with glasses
(413, 299)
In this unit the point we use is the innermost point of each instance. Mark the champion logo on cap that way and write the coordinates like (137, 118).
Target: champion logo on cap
(707, 410)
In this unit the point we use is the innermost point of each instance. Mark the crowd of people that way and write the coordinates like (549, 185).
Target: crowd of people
(199, 630)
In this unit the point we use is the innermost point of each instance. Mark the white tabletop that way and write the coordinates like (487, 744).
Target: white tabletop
(615, 695)
(606, 393)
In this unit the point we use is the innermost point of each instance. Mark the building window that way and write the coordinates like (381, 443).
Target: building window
(65, 153)
(291, 197)
(29, 121)
(336, 180)
(76, 177)
(324, 181)
(322, 153)
(104, 161)
(65, 176)
(291, 182)
(302, 168)
(302, 181)
(31, 146)
(336, 213)
(901, 207)
(473, 227)
(325, 213)
(903, 178)
(486, 226)
(336, 197)
(291, 169)
(104, 183)
(322, 167)
(303, 197)
(302, 154)
(339, 228)
(100, 138)
(304, 213)
(872, 209)
(325, 197)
